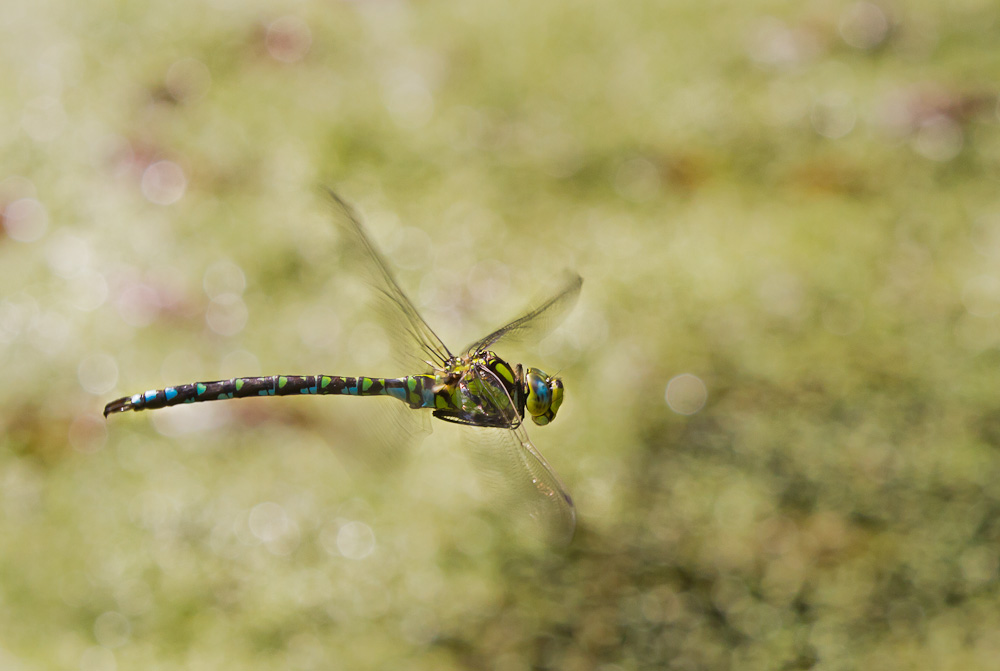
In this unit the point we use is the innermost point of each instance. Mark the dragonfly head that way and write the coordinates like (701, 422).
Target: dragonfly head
(545, 395)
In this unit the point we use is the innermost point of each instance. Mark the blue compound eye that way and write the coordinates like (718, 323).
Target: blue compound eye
(539, 398)
(555, 388)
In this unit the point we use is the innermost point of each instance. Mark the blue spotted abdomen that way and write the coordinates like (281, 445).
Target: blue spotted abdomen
(415, 390)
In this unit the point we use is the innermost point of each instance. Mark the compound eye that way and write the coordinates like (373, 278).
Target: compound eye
(539, 396)
(556, 391)
(557, 396)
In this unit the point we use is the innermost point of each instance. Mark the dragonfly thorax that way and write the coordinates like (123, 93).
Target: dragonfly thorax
(484, 375)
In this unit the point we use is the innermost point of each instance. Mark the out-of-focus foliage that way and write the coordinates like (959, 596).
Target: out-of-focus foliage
(783, 378)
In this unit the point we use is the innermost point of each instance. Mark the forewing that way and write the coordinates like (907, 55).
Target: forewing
(409, 331)
(538, 321)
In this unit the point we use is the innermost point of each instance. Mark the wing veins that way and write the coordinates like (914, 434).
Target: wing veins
(554, 307)
(390, 289)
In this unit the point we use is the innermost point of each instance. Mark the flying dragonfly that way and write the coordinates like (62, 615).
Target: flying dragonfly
(475, 388)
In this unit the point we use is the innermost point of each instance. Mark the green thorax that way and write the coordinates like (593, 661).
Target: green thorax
(481, 390)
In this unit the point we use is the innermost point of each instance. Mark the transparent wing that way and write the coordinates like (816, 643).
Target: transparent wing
(381, 435)
(537, 321)
(409, 330)
(391, 426)
(520, 483)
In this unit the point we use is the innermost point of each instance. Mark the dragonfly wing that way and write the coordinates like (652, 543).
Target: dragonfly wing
(409, 329)
(539, 320)
(382, 434)
(520, 484)
(519, 481)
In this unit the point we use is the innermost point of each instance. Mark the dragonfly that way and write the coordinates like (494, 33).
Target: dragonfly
(475, 388)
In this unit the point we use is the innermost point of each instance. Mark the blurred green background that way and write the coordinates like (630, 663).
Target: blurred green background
(782, 408)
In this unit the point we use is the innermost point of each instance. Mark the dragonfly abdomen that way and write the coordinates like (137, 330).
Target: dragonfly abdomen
(408, 389)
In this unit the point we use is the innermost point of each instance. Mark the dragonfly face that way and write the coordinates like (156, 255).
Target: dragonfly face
(545, 395)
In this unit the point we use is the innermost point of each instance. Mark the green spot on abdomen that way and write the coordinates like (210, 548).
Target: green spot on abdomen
(282, 381)
(366, 383)
(238, 384)
(201, 389)
(325, 381)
